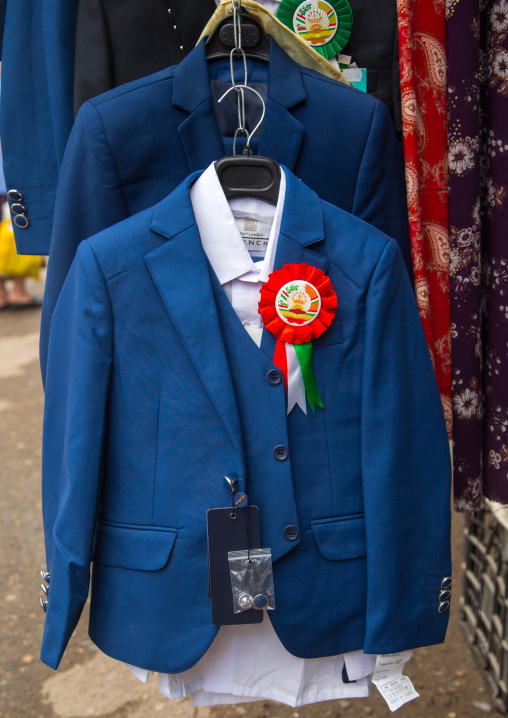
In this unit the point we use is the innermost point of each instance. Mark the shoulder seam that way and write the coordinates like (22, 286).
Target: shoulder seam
(131, 89)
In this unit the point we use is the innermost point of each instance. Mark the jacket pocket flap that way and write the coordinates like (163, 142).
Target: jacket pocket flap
(333, 335)
(138, 547)
(341, 538)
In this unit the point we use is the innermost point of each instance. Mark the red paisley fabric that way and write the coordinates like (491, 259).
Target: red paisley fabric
(421, 26)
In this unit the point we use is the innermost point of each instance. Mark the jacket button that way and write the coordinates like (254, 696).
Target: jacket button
(21, 221)
(443, 606)
(281, 453)
(445, 595)
(274, 377)
(446, 582)
(14, 195)
(291, 533)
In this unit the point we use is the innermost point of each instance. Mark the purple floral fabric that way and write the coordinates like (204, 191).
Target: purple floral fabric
(477, 56)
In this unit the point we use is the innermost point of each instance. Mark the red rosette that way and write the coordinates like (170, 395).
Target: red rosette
(315, 326)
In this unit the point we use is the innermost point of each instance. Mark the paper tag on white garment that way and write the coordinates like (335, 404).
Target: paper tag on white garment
(395, 688)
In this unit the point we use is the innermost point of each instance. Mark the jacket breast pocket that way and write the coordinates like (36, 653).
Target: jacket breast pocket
(340, 538)
(144, 548)
(330, 337)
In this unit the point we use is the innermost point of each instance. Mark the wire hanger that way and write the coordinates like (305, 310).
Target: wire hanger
(223, 38)
(246, 175)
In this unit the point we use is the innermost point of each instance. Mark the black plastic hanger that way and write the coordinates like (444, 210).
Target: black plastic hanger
(255, 42)
(249, 176)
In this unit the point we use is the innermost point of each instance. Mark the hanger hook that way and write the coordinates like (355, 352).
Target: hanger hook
(237, 51)
(241, 88)
(240, 129)
(237, 25)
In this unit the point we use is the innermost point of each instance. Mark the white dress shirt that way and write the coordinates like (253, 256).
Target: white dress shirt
(249, 663)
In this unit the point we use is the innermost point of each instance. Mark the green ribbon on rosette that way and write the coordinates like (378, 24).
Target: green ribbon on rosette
(304, 354)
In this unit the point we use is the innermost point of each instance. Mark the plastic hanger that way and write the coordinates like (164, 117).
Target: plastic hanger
(249, 176)
(254, 39)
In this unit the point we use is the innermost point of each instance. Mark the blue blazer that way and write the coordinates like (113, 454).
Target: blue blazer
(36, 114)
(131, 146)
(149, 405)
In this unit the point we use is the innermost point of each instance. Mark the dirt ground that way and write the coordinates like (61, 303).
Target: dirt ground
(91, 684)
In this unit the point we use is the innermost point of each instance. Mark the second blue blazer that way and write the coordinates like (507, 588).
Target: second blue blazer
(131, 146)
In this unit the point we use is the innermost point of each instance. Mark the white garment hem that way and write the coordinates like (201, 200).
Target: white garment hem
(211, 694)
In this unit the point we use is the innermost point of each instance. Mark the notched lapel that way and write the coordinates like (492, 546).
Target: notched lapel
(200, 137)
(281, 135)
(181, 273)
(191, 92)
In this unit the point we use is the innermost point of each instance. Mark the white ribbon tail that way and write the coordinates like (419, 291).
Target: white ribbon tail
(296, 387)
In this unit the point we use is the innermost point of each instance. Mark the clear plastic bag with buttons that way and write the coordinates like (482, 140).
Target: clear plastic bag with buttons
(252, 579)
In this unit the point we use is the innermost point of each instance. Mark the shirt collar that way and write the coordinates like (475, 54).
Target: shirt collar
(219, 233)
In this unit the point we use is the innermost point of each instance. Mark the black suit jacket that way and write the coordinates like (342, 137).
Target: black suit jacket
(122, 40)
(374, 44)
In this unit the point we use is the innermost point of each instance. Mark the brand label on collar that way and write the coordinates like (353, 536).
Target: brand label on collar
(255, 232)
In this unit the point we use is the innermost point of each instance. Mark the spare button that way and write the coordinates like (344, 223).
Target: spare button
(260, 601)
(244, 601)
(281, 453)
(291, 533)
(274, 377)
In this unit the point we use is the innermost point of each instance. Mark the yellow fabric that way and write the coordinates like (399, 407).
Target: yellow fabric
(11, 263)
(292, 44)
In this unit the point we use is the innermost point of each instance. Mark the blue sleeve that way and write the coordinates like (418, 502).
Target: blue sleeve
(406, 469)
(26, 125)
(380, 196)
(79, 362)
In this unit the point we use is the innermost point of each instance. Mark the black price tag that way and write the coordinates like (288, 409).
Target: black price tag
(229, 534)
